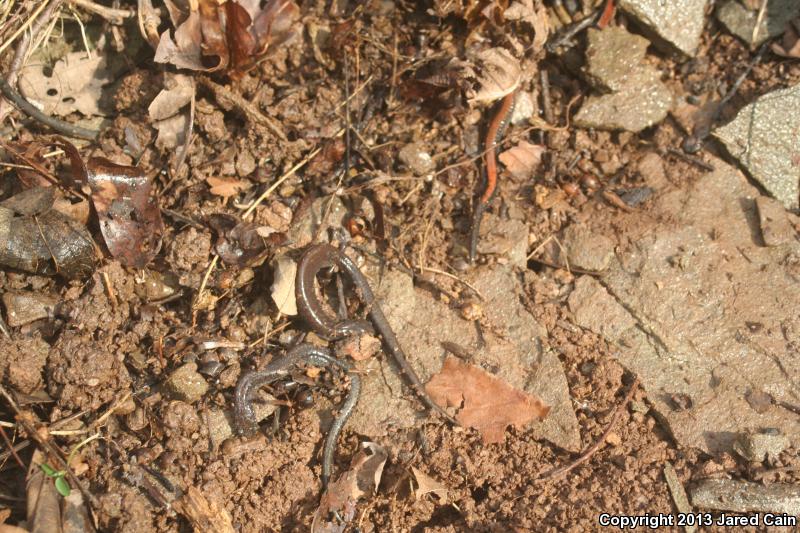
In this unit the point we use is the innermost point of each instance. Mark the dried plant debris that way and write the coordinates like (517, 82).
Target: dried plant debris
(523, 159)
(130, 220)
(36, 238)
(498, 74)
(232, 36)
(205, 516)
(485, 402)
(427, 485)
(339, 500)
(790, 42)
(74, 84)
(242, 243)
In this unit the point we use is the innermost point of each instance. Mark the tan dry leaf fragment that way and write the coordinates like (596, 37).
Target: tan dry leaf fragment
(227, 187)
(535, 16)
(428, 485)
(498, 75)
(486, 402)
(523, 159)
(76, 84)
(165, 110)
(205, 516)
(341, 497)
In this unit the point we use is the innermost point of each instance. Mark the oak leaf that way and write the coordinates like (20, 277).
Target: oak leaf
(485, 402)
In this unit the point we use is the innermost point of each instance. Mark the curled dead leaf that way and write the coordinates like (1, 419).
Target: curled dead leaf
(485, 402)
(38, 239)
(130, 219)
(523, 159)
(341, 497)
(535, 16)
(499, 74)
(227, 187)
(428, 485)
(230, 35)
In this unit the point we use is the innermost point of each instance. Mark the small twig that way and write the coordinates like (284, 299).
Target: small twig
(11, 448)
(762, 10)
(114, 16)
(24, 26)
(247, 108)
(65, 128)
(691, 159)
(454, 277)
(48, 447)
(111, 296)
(572, 32)
(4, 328)
(547, 105)
(585, 456)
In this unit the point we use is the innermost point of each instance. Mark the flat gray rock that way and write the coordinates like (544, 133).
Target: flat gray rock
(764, 138)
(740, 21)
(643, 102)
(676, 24)
(422, 323)
(704, 314)
(746, 497)
(612, 56)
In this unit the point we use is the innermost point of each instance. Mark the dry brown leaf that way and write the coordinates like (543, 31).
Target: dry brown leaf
(44, 509)
(498, 75)
(177, 93)
(362, 478)
(485, 402)
(205, 516)
(525, 11)
(428, 485)
(523, 159)
(76, 84)
(227, 187)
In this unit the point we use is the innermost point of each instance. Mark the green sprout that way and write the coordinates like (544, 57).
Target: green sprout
(59, 476)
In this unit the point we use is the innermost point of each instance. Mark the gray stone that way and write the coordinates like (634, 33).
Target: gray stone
(693, 277)
(596, 310)
(756, 447)
(612, 57)
(643, 102)
(740, 21)
(587, 250)
(674, 23)
(186, 384)
(764, 139)
(415, 157)
(422, 323)
(746, 497)
(776, 228)
(505, 238)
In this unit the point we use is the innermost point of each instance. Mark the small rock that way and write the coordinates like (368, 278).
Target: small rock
(598, 311)
(587, 250)
(746, 497)
(153, 286)
(763, 138)
(416, 158)
(25, 307)
(613, 55)
(307, 223)
(245, 164)
(613, 439)
(651, 169)
(642, 103)
(776, 229)
(284, 271)
(186, 384)
(740, 21)
(677, 25)
(500, 237)
(756, 447)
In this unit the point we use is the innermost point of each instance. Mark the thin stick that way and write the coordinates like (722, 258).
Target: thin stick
(453, 276)
(11, 448)
(115, 16)
(65, 128)
(24, 26)
(762, 10)
(48, 447)
(585, 456)
(247, 108)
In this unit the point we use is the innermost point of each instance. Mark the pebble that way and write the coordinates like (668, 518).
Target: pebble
(186, 384)
(416, 158)
(756, 447)
(26, 307)
(776, 228)
(587, 250)
(740, 21)
(676, 26)
(763, 138)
